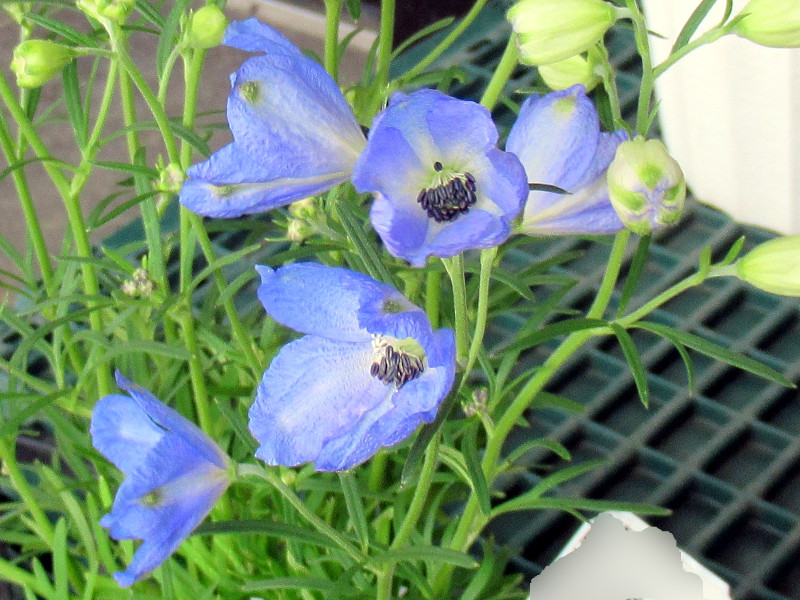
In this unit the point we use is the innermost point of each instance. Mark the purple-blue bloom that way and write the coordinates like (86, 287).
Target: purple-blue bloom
(440, 184)
(174, 474)
(294, 133)
(368, 372)
(558, 139)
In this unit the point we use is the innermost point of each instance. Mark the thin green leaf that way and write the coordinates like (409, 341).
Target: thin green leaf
(553, 331)
(687, 361)
(355, 508)
(520, 451)
(635, 363)
(354, 8)
(634, 273)
(62, 29)
(413, 464)
(422, 33)
(549, 400)
(717, 352)
(18, 165)
(469, 448)
(572, 504)
(150, 13)
(72, 99)
(734, 251)
(145, 347)
(60, 575)
(127, 168)
(685, 36)
(332, 588)
(433, 554)
(267, 528)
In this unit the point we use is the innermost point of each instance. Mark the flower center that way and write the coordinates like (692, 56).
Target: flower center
(394, 365)
(451, 195)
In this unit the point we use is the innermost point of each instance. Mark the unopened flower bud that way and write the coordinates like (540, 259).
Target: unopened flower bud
(205, 28)
(773, 266)
(36, 62)
(477, 404)
(774, 23)
(170, 179)
(303, 209)
(112, 10)
(298, 231)
(646, 185)
(552, 30)
(570, 71)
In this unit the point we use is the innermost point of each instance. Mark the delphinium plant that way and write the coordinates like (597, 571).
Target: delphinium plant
(320, 386)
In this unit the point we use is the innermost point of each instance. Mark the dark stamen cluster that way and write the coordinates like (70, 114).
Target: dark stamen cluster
(446, 202)
(397, 367)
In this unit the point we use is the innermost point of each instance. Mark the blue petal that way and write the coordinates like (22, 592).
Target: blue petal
(556, 137)
(174, 423)
(315, 390)
(587, 210)
(235, 182)
(122, 432)
(336, 303)
(294, 133)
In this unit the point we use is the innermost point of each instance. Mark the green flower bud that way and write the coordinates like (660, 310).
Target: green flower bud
(298, 231)
(205, 28)
(575, 69)
(36, 62)
(551, 30)
(112, 10)
(646, 185)
(774, 23)
(303, 209)
(773, 266)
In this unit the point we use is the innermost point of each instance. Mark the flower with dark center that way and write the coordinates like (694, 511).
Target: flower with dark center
(174, 474)
(368, 372)
(558, 139)
(294, 133)
(440, 184)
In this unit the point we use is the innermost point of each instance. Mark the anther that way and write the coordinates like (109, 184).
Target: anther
(448, 200)
(437, 166)
(396, 367)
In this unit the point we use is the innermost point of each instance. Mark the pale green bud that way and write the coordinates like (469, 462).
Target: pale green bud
(552, 30)
(36, 62)
(304, 209)
(646, 185)
(774, 23)
(112, 10)
(575, 69)
(205, 28)
(773, 266)
(298, 231)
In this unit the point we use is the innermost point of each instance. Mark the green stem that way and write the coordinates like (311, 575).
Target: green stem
(333, 11)
(501, 75)
(662, 298)
(446, 42)
(640, 34)
(610, 85)
(455, 269)
(11, 468)
(487, 260)
(385, 42)
(433, 295)
(412, 515)
(706, 38)
(615, 259)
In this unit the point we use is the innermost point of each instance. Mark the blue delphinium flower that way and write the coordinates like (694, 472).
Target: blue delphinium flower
(174, 474)
(368, 372)
(441, 186)
(294, 133)
(558, 139)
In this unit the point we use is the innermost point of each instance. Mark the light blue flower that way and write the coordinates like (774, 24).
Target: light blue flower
(368, 372)
(440, 184)
(558, 139)
(294, 133)
(174, 474)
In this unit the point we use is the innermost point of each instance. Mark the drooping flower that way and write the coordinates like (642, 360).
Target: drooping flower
(294, 133)
(441, 186)
(369, 370)
(558, 139)
(174, 474)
